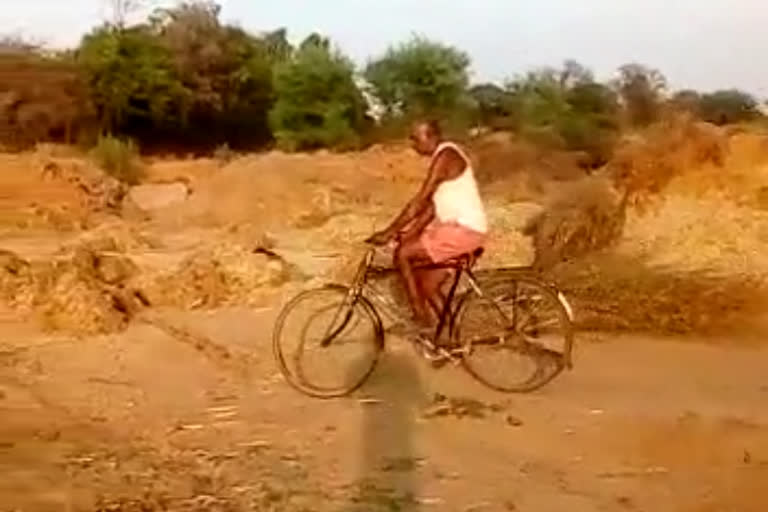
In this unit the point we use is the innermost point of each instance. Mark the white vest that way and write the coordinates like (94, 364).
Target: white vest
(458, 200)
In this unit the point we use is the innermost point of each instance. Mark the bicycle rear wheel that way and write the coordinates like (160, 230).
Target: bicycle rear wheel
(326, 342)
(520, 324)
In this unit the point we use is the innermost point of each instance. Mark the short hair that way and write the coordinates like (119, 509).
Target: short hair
(433, 125)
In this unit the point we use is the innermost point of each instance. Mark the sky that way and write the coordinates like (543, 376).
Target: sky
(703, 44)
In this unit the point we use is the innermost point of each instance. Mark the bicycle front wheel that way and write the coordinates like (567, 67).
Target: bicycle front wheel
(517, 336)
(327, 342)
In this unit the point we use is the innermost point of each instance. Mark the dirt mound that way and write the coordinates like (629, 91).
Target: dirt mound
(589, 214)
(80, 293)
(222, 275)
(99, 281)
(700, 234)
(42, 189)
(741, 180)
(276, 190)
(114, 236)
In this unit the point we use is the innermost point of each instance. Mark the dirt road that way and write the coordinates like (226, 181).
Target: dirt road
(148, 421)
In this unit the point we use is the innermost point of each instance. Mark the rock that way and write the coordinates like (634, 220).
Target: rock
(157, 197)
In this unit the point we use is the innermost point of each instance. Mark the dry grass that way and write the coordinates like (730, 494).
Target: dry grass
(589, 214)
(585, 216)
(644, 165)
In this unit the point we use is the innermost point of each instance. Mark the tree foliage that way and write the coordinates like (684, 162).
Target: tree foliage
(641, 90)
(492, 105)
(565, 107)
(131, 76)
(317, 101)
(419, 77)
(182, 76)
(686, 100)
(226, 72)
(728, 106)
(184, 79)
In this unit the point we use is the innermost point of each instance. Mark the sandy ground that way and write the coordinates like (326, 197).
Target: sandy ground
(146, 421)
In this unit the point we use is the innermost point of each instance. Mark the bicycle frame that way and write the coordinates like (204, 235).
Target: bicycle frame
(358, 291)
(446, 314)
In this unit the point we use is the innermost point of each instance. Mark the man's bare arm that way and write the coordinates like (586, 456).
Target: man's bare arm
(448, 165)
(421, 221)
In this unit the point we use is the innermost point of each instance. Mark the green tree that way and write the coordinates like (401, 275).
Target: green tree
(538, 98)
(686, 100)
(564, 107)
(130, 75)
(728, 106)
(120, 10)
(215, 61)
(419, 76)
(641, 89)
(226, 72)
(318, 103)
(315, 39)
(277, 45)
(492, 105)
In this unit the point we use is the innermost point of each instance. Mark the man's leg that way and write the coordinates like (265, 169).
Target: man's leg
(430, 282)
(409, 254)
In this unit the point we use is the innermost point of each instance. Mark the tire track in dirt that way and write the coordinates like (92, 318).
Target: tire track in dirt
(220, 356)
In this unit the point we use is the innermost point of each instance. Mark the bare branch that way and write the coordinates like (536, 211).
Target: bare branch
(120, 10)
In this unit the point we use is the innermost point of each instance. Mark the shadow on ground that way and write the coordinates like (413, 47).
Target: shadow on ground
(616, 293)
(389, 464)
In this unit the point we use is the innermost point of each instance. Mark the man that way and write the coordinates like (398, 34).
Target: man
(444, 220)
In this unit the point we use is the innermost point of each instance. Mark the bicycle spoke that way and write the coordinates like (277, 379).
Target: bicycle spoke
(504, 330)
(325, 344)
(548, 323)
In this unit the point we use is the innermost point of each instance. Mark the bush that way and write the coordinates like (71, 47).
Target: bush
(641, 89)
(419, 77)
(130, 76)
(118, 158)
(318, 103)
(728, 106)
(560, 109)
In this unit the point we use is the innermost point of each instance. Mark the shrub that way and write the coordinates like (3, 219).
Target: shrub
(419, 77)
(119, 158)
(318, 103)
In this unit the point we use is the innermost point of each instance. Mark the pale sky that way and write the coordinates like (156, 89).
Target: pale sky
(705, 44)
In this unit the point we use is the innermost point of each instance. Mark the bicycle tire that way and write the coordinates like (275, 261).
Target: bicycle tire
(361, 307)
(540, 377)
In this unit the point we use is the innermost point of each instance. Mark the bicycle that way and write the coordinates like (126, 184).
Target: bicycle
(501, 292)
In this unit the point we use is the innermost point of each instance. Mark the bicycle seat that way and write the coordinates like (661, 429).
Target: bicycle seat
(469, 258)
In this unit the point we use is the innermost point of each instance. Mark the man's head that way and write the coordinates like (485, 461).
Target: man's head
(425, 136)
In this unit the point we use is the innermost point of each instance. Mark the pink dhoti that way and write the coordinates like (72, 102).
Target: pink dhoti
(443, 241)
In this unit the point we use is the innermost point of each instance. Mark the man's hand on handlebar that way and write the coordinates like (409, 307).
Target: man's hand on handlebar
(379, 238)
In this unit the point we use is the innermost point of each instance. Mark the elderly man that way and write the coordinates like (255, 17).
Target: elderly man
(444, 220)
